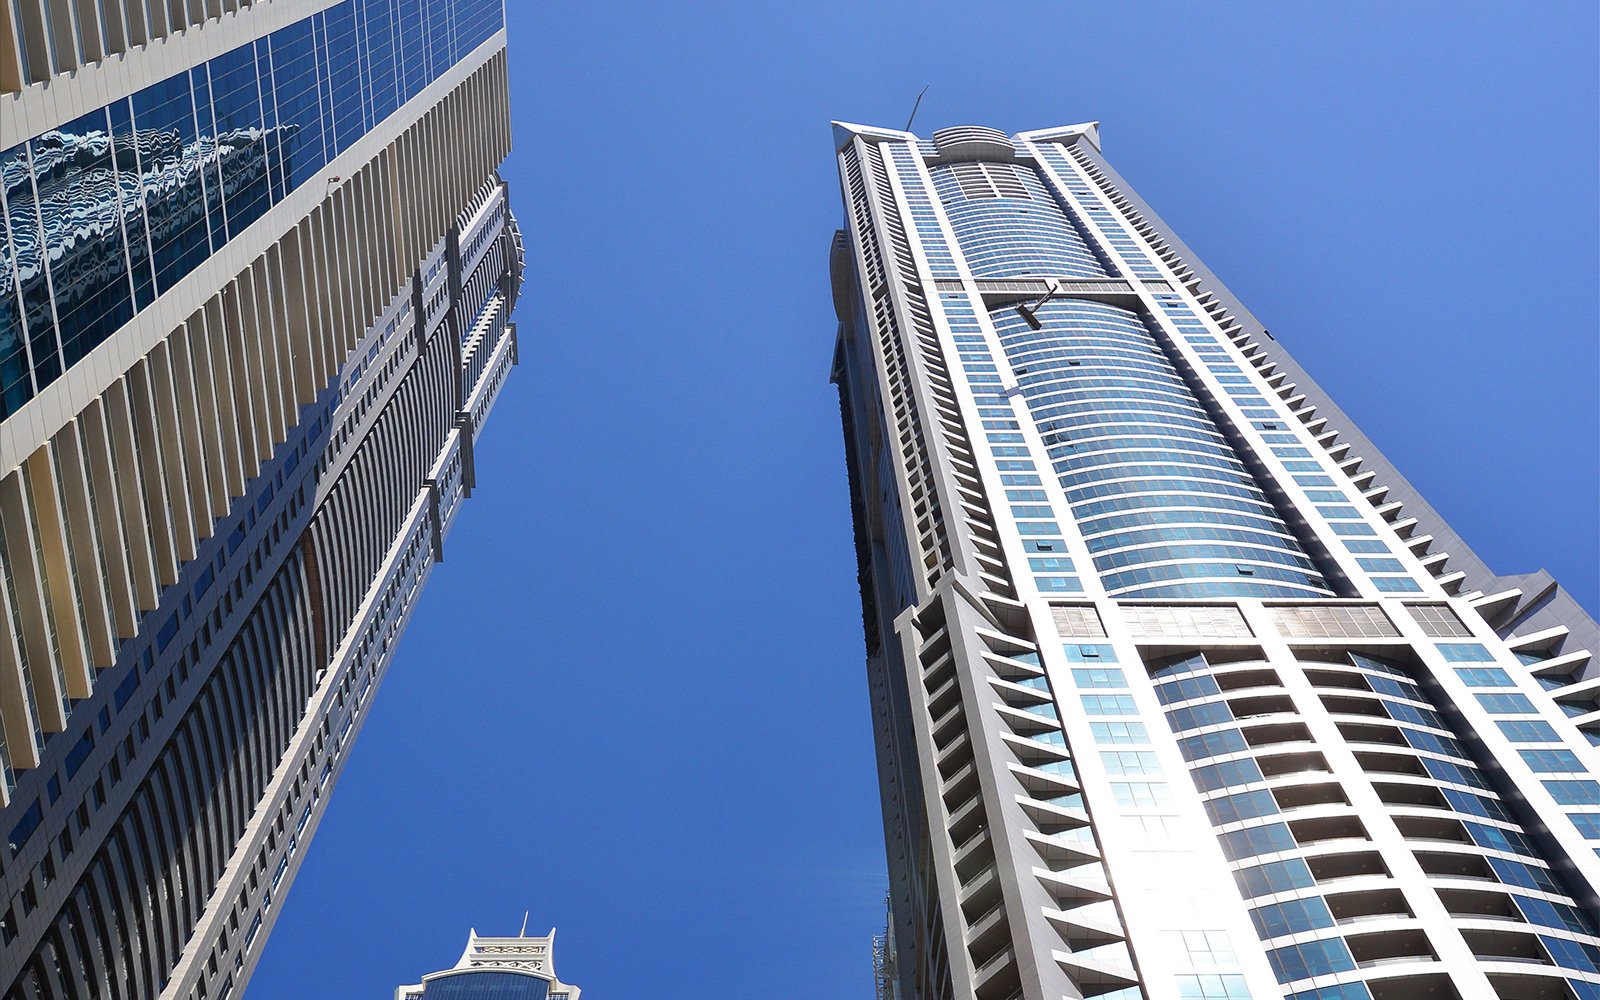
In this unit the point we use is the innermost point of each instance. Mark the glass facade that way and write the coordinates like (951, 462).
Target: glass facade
(108, 211)
(487, 986)
(1127, 434)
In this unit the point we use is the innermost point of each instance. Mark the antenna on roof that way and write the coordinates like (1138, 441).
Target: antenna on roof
(914, 108)
(524, 932)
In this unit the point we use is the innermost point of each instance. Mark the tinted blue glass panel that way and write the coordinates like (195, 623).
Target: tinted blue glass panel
(126, 141)
(1574, 793)
(1233, 772)
(413, 48)
(79, 202)
(383, 84)
(1274, 838)
(296, 149)
(1344, 991)
(16, 382)
(132, 197)
(241, 139)
(487, 986)
(1275, 876)
(170, 173)
(1291, 917)
(1313, 958)
(1244, 805)
(1526, 876)
(1215, 744)
(1550, 914)
(210, 168)
(1573, 954)
(344, 98)
(1200, 716)
(32, 246)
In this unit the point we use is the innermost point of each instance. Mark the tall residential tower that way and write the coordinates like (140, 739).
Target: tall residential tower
(1179, 689)
(257, 269)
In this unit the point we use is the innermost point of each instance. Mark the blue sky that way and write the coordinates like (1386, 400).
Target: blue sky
(633, 700)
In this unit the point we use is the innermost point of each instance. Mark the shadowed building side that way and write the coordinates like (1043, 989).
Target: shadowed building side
(253, 317)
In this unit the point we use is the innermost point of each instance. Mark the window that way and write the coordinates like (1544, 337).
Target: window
(1484, 677)
(1464, 652)
(1526, 876)
(1396, 584)
(1273, 877)
(1241, 806)
(1439, 621)
(1234, 772)
(1199, 716)
(1291, 917)
(1313, 958)
(1187, 689)
(1216, 744)
(1344, 991)
(1528, 731)
(1588, 824)
(1119, 732)
(1574, 793)
(1089, 652)
(1140, 794)
(1108, 704)
(1205, 949)
(1506, 704)
(1099, 677)
(1134, 762)
(1273, 838)
(1553, 761)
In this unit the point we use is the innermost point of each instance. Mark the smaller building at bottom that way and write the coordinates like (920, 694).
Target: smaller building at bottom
(497, 968)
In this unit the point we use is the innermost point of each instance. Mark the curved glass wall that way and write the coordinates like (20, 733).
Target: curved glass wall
(106, 212)
(1164, 502)
(487, 986)
(1009, 225)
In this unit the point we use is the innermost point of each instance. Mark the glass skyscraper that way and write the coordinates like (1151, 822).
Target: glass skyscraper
(258, 266)
(1179, 689)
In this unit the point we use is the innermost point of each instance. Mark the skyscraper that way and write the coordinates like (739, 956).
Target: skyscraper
(253, 313)
(497, 968)
(1179, 689)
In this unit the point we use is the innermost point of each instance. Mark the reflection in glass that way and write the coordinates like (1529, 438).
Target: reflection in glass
(105, 213)
(79, 199)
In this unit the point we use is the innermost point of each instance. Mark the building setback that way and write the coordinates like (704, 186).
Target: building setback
(1179, 689)
(254, 309)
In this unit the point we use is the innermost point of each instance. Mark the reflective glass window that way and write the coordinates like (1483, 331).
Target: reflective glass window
(1292, 916)
(1273, 877)
(1273, 838)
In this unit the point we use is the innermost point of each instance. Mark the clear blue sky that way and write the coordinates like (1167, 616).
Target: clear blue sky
(633, 700)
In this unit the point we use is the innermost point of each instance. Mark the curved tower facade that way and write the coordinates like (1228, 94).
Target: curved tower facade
(1180, 691)
(254, 311)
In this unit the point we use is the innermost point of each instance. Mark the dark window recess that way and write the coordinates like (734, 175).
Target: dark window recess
(125, 690)
(79, 753)
(25, 826)
(168, 632)
(202, 583)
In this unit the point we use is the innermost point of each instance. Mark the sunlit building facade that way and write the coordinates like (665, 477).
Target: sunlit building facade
(254, 296)
(1179, 689)
(497, 968)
